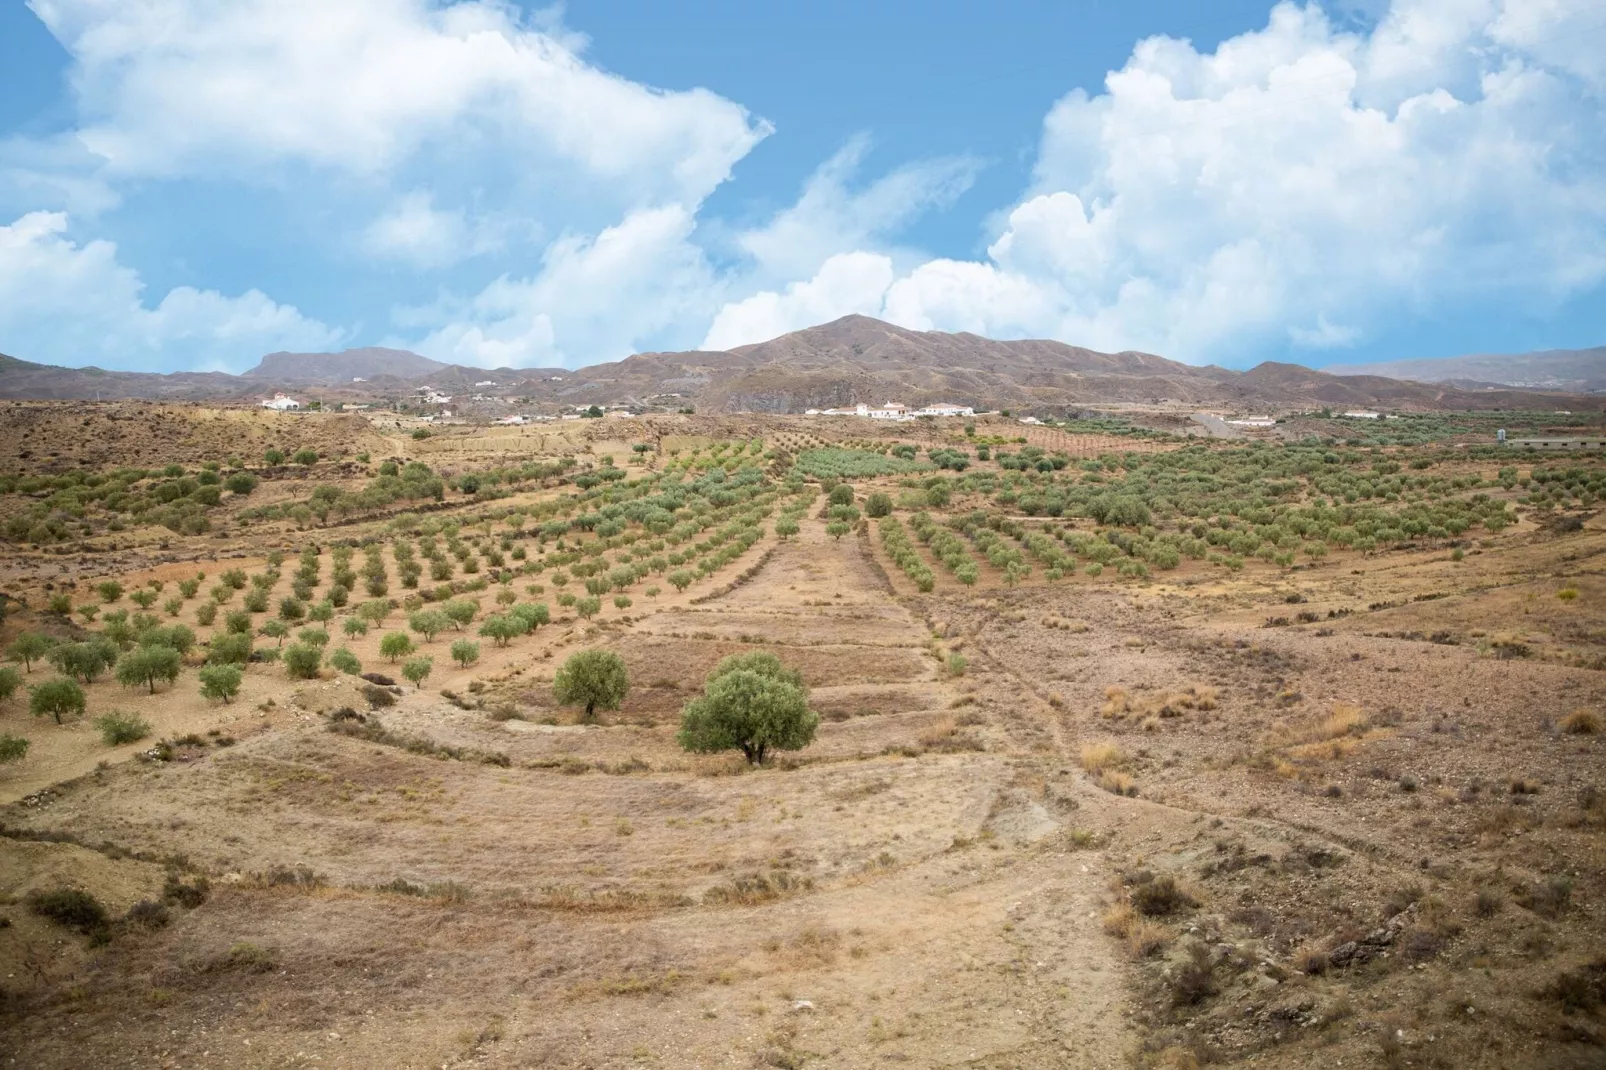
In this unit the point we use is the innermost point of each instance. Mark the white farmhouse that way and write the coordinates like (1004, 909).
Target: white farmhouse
(1363, 415)
(944, 409)
(280, 403)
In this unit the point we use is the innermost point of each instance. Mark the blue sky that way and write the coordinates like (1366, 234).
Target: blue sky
(192, 183)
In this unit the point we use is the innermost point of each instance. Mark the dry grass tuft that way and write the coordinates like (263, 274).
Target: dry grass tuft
(1097, 757)
(1142, 936)
(1581, 723)
(1117, 783)
(1119, 703)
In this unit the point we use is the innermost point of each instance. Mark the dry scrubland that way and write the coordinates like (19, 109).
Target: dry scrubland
(1131, 752)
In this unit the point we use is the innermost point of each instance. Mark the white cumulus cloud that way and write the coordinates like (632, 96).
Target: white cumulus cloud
(81, 306)
(1300, 186)
(845, 284)
(204, 87)
(591, 301)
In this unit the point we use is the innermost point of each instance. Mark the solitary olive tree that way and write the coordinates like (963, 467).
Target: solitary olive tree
(592, 678)
(751, 703)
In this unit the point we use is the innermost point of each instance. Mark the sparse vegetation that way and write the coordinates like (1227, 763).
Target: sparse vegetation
(1350, 686)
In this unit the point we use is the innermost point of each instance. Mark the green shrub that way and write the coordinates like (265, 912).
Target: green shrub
(345, 661)
(229, 649)
(117, 728)
(465, 652)
(301, 662)
(12, 748)
(70, 907)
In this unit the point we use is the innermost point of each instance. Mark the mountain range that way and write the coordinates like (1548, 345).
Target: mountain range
(1573, 370)
(850, 360)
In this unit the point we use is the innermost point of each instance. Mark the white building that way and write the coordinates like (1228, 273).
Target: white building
(943, 409)
(1254, 421)
(1363, 416)
(430, 396)
(280, 403)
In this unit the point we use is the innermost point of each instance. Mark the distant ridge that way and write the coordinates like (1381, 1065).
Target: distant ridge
(1550, 369)
(849, 360)
(370, 363)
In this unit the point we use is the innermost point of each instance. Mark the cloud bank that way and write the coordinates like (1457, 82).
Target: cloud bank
(1295, 189)
(1298, 186)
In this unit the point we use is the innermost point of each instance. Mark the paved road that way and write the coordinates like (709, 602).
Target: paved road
(1217, 427)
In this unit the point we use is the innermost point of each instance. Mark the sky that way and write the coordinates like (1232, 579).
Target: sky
(190, 184)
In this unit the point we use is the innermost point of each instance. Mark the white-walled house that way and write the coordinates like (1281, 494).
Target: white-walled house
(280, 403)
(943, 409)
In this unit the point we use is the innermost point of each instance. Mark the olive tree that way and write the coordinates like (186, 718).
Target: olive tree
(500, 628)
(29, 647)
(56, 698)
(84, 661)
(751, 703)
(429, 623)
(147, 665)
(395, 645)
(592, 678)
(220, 681)
(418, 669)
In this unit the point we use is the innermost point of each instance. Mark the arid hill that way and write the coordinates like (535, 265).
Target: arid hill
(369, 363)
(853, 359)
(1553, 369)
